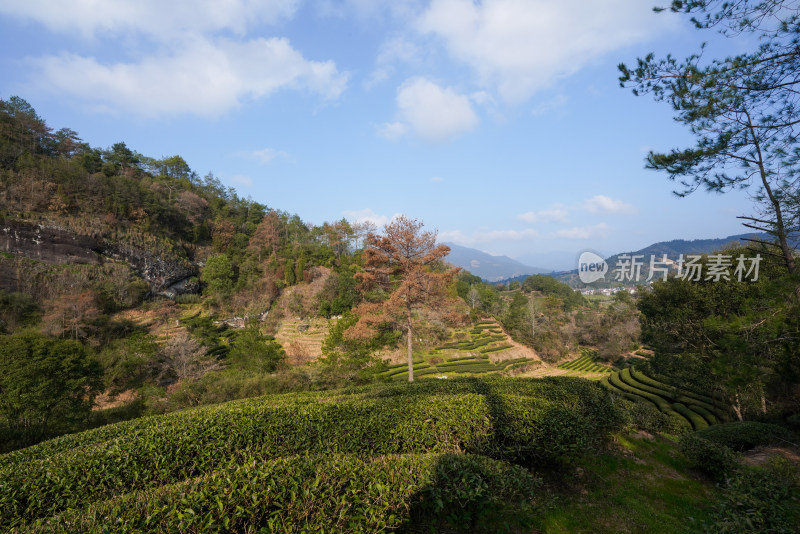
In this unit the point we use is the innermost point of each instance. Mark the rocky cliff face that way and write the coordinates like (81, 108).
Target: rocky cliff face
(56, 245)
(48, 244)
(165, 275)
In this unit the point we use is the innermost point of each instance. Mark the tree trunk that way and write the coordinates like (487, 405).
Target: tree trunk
(780, 228)
(409, 333)
(737, 407)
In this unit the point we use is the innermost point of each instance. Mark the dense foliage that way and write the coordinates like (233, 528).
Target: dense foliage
(45, 386)
(532, 422)
(737, 338)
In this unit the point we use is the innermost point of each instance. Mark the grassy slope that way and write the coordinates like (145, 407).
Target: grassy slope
(641, 485)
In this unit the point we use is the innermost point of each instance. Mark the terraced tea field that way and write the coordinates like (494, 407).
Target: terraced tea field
(697, 409)
(585, 364)
(302, 339)
(466, 365)
(480, 350)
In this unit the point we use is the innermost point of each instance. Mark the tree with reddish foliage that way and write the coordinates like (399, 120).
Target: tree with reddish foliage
(71, 313)
(267, 236)
(404, 270)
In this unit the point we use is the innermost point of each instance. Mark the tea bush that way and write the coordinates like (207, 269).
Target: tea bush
(746, 435)
(524, 420)
(313, 493)
(647, 417)
(717, 461)
(760, 500)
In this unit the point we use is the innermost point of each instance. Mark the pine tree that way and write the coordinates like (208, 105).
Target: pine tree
(406, 265)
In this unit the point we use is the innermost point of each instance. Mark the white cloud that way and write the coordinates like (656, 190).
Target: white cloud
(520, 46)
(267, 155)
(396, 49)
(367, 10)
(454, 236)
(187, 56)
(555, 214)
(596, 231)
(604, 204)
(434, 113)
(392, 130)
(437, 179)
(241, 179)
(556, 103)
(367, 215)
(491, 236)
(158, 19)
(203, 77)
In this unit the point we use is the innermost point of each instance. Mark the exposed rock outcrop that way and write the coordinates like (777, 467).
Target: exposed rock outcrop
(160, 272)
(48, 244)
(53, 244)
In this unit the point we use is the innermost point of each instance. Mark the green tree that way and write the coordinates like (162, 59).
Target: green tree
(339, 294)
(549, 286)
(517, 320)
(740, 338)
(352, 358)
(46, 384)
(16, 310)
(742, 110)
(130, 362)
(255, 352)
(218, 275)
(22, 131)
(288, 272)
(175, 167)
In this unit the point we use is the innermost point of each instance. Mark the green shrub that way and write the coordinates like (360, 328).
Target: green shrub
(647, 417)
(760, 500)
(467, 367)
(643, 382)
(746, 435)
(665, 392)
(698, 423)
(662, 405)
(678, 424)
(794, 420)
(535, 421)
(717, 461)
(188, 298)
(710, 418)
(475, 493)
(318, 494)
(461, 359)
(496, 349)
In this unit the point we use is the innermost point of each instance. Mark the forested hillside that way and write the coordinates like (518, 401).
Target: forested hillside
(151, 288)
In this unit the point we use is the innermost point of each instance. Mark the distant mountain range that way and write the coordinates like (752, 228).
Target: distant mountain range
(490, 268)
(502, 268)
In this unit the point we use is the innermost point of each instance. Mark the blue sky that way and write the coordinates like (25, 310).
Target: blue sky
(498, 123)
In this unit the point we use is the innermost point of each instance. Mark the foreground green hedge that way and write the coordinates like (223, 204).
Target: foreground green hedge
(528, 421)
(338, 493)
